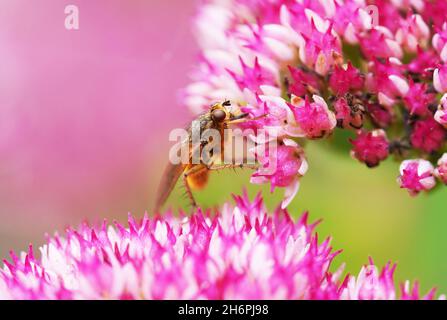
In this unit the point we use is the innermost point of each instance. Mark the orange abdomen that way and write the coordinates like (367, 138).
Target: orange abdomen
(198, 181)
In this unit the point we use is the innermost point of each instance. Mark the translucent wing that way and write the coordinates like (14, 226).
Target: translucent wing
(168, 181)
(171, 175)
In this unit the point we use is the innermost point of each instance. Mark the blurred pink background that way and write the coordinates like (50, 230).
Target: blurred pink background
(84, 114)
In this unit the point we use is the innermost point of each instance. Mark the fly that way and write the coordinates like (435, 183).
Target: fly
(195, 176)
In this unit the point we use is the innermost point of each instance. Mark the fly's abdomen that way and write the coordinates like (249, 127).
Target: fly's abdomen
(198, 180)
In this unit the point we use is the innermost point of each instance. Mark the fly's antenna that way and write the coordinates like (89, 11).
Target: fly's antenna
(226, 103)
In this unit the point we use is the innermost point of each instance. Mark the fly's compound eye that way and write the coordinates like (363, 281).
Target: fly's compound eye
(218, 115)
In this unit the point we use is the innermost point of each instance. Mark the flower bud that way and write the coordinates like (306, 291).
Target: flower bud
(416, 176)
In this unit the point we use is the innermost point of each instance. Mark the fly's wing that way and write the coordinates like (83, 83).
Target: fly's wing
(171, 175)
(173, 171)
(168, 181)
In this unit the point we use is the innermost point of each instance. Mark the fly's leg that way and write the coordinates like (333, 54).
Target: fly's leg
(229, 166)
(190, 171)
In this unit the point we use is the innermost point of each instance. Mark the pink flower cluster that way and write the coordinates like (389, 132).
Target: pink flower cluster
(312, 66)
(419, 175)
(239, 253)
